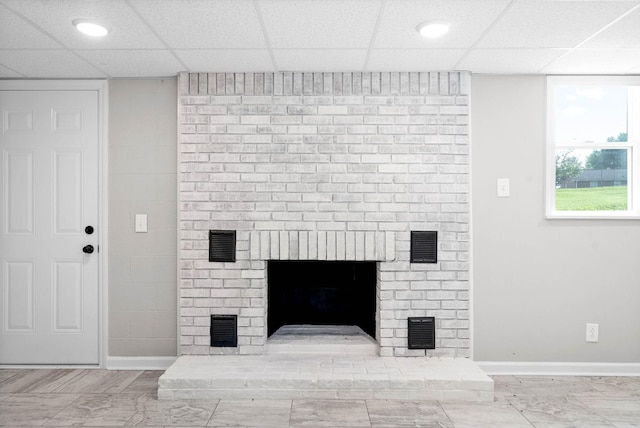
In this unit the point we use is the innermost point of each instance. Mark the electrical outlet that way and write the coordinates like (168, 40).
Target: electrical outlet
(503, 187)
(592, 332)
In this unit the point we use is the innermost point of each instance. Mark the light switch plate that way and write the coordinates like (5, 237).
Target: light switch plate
(503, 188)
(141, 223)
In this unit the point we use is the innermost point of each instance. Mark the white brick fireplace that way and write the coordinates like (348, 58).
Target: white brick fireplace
(327, 167)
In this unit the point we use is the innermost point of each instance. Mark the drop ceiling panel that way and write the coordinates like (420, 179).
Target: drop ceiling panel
(56, 17)
(413, 59)
(158, 38)
(552, 24)
(226, 60)
(49, 64)
(623, 34)
(596, 61)
(468, 19)
(314, 24)
(516, 61)
(16, 33)
(134, 63)
(203, 24)
(320, 59)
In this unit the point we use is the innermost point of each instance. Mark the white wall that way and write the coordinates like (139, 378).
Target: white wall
(142, 180)
(537, 282)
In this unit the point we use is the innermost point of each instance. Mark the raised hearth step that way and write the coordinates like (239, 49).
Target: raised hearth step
(324, 377)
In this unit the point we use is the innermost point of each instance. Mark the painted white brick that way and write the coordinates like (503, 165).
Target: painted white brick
(322, 245)
(284, 245)
(255, 245)
(333, 110)
(341, 246)
(313, 245)
(331, 245)
(265, 245)
(275, 245)
(325, 166)
(390, 246)
(369, 245)
(303, 245)
(294, 246)
(256, 99)
(360, 245)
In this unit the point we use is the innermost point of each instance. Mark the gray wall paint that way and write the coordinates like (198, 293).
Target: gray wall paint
(142, 180)
(537, 282)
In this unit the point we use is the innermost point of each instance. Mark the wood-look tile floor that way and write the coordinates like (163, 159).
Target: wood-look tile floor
(101, 398)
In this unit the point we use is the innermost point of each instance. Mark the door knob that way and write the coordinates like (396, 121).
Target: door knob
(87, 249)
(88, 230)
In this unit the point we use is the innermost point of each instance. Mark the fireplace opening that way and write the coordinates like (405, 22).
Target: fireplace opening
(321, 293)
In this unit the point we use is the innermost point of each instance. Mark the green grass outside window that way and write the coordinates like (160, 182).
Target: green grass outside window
(612, 198)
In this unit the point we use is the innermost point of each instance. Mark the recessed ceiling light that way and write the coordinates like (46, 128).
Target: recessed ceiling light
(90, 28)
(433, 29)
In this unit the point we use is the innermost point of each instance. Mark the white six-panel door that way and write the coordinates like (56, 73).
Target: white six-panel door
(49, 186)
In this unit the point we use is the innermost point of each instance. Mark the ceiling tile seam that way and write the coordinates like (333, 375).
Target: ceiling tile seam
(65, 47)
(107, 75)
(202, 49)
(430, 49)
(319, 49)
(15, 71)
(484, 33)
(33, 25)
(374, 36)
(624, 15)
(155, 33)
(122, 50)
(267, 40)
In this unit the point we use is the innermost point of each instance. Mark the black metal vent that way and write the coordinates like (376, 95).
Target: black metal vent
(222, 245)
(422, 333)
(424, 247)
(224, 330)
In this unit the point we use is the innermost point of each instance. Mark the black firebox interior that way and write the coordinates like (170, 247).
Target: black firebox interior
(322, 293)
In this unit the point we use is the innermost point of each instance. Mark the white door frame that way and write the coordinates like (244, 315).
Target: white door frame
(101, 87)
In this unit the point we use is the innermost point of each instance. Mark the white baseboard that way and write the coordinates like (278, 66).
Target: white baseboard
(49, 366)
(139, 363)
(559, 369)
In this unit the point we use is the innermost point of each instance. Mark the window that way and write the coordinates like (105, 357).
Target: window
(593, 145)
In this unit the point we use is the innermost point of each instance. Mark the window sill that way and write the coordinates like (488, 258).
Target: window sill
(598, 215)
